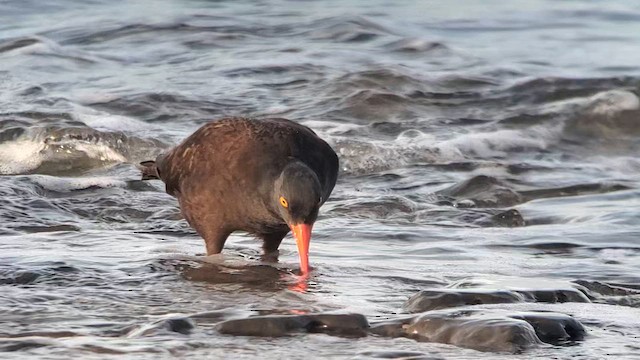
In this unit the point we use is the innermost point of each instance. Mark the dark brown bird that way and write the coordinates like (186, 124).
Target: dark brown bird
(265, 177)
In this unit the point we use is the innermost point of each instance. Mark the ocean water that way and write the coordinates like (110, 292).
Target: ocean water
(488, 204)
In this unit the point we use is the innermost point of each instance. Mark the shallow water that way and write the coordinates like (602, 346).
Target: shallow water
(485, 148)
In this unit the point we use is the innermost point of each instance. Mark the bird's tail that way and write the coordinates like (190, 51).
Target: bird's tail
(149, 170)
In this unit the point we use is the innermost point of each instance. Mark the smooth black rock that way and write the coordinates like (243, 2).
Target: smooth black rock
(554, 296)
(427, 300)
(398, 354)
(180, 325)
(494, 330)
(435, 299)
(597, 288)
(488, 217)
(554, 328)
(391, 328)
(473, 330)
(482, 191)
(355, 325)
(509, 218)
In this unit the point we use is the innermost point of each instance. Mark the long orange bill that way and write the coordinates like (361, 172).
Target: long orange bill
(302, 233)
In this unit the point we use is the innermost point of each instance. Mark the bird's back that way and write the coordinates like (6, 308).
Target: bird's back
(239, 152)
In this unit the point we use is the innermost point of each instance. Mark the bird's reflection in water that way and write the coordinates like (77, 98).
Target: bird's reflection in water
(263, 277)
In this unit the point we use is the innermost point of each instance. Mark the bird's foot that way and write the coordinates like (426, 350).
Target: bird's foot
(271, 256)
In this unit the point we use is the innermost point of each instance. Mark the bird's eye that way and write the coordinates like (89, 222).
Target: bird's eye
(284, 202)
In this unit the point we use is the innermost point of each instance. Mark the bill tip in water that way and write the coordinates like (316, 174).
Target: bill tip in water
(301, 285)
(302, 234)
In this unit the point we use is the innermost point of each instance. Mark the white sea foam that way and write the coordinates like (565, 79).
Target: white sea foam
(413, 146)
(621, 167)
(101, 120)
(100, 152)
(26, 154)
(325, 129)
(93, 97)
(610, 102)
(497, 143)
(20, 156)
(609, 114)
(63, 184)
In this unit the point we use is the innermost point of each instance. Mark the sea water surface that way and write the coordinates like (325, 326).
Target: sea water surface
(488, 204)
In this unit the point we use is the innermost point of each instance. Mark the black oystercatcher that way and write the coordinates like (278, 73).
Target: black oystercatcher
(265, 177)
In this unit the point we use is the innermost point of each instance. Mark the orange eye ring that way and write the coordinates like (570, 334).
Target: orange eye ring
(284, 202)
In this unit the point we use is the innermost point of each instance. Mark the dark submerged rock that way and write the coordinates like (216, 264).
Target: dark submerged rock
(596, 288)
(397, 354)
(615, 294)
(572, 190)
(391, 328)
(493, 330)
(472, 330)
(608, 115)
(427, 300)
(17, 43)
(351, 325)
(15, 345)
(487, 217)
(554, 328)
(482, 191)
(509, 218)
(178, 324)
(435, 299)
(555, 296)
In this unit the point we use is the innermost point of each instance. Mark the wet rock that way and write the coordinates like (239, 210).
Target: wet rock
(217, 316)
(391, 328)
(482, 191)
(42, 334)
(19, 278)
(554, 296)
(474, 330)
(573, 190)
(509, 218)
(595, 288)
(263, 326)
(176, 324)
(17, 43)
(401, 355)
(52, 273)
(614, 294)
(427, 300)
(491, 217)
(373, 105)
(349, 29)
(607, 115)
(50, 228)
(15, 345)
(180, 325)
(352, 325)
(413, 45)
(630, 301)
(554, 328)
(494, 330)
(435, 299)
(384, 207)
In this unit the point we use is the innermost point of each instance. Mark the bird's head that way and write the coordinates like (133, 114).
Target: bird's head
(298, 197)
